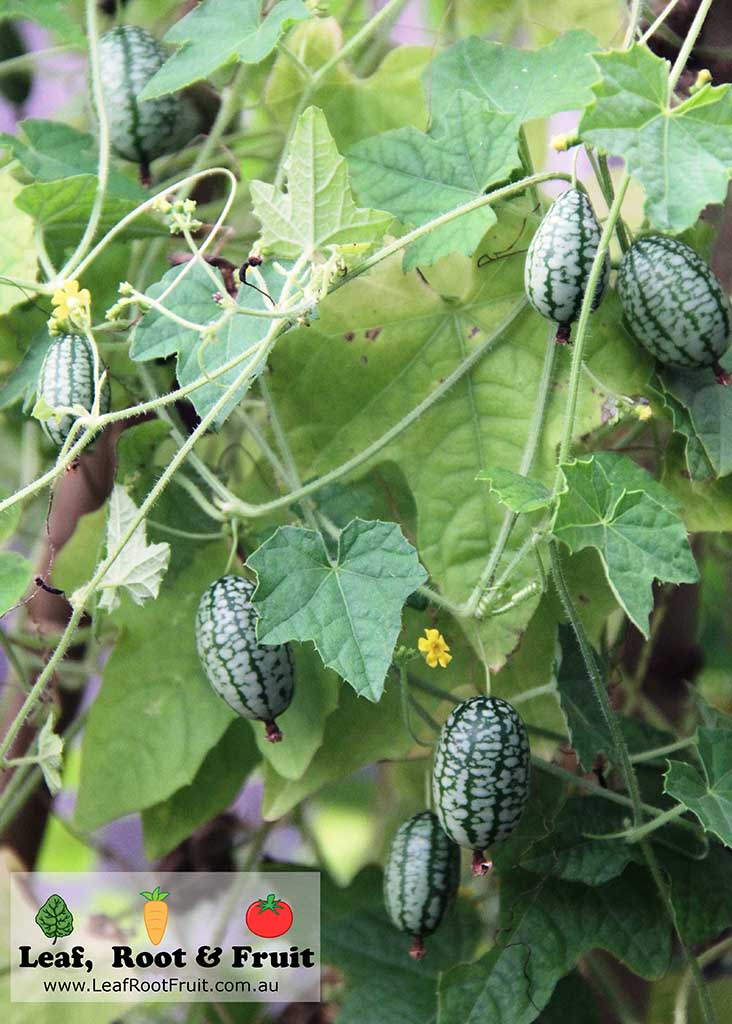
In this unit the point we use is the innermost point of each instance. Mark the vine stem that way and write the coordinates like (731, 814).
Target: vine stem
(527, 460)
(692, 964)
(575, 373)
(652, 29)
(549, 768)
(635, 13)
(705, 958)
(688, 45)
(316, 77)
(103, 124)
(669, 748)
(247, 511)
(588, 656)
(475, 204)
(635, 835)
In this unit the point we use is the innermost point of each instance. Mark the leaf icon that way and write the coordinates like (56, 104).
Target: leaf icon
(54, 918)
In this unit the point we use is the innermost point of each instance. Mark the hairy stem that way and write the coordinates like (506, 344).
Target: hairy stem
(97, 89)
(688, 45)
(692, 965)
(598, 686)
(527, 460)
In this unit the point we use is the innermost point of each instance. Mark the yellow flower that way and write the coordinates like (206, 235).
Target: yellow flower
(71, 303)
(434, 648)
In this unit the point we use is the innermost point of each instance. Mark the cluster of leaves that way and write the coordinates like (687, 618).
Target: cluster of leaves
(402, 430)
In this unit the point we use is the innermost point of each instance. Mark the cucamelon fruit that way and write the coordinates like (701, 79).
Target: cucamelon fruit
(66, 378)
(560, 258)
(141, 131)
(674, 304)
(254, 679)
(481, 774)
(421, 878)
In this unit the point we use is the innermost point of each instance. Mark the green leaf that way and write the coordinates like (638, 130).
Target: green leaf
(217, 34)
(20, 384)
(51, 150)
(527, 84)
(215, 786)
(570, 853)
(613, 505)
(51, 14)
(706, 790)
(517, 492)
(156, 717)
(357, 733)
(418, 176)
(586, 726)
(699, 465)
(54, 918)
(681, 156)
(508, 986)
(700, 892)
(317, 212)
(16, 574)
(350, 607)
(709, 408)
(157, 336)
(384, 985)
(63, 208)
(140, 566)
(17, 249)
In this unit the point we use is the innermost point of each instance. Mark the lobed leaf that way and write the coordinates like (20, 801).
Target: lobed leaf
(613, 505)
(217, 34)
(317, 212)
(682, 155)
(349, 606)
(419, 176)
(706, 790)
(523, 83)
(140, 567)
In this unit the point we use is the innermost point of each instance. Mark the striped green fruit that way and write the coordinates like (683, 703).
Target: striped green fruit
(66, 377)
(421, 878)
(560, 258)
(481, 774)
(673, 303)
(140, 131)
(254, 679)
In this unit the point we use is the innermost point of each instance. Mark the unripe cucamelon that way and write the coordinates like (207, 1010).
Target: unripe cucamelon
(560, 258)
(66, 378)
(674, 304)
(254, 679)
(140, 131)
(480, 782)
(421, 878)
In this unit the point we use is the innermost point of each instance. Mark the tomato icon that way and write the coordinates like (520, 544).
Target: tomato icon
(269, 918)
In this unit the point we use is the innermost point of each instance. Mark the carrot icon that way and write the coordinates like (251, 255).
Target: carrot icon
(156, 914)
